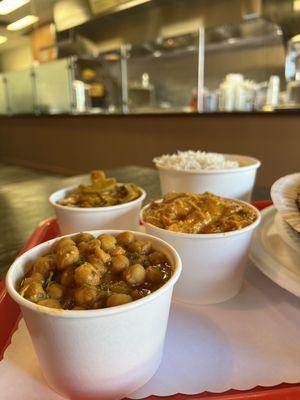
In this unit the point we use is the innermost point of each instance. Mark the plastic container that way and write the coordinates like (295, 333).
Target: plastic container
(273, 91)
(75, 219)
(235, 183)
(213, 264)
(98, 354)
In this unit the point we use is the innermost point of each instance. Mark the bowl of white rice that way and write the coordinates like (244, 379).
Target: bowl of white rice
(227, 175)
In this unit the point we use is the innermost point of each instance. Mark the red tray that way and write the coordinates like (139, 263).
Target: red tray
(10, 315)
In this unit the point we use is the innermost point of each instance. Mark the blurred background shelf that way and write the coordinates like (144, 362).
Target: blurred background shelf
(120, 56)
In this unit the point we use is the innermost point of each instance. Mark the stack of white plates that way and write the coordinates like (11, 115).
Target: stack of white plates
(276, 244)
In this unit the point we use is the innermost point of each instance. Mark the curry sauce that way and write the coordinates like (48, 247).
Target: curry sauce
(199, 213)
(102, 192)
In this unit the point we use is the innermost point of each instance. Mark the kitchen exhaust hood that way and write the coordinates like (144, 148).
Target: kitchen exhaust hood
(102, 7)
(285, 13)
(70, 13)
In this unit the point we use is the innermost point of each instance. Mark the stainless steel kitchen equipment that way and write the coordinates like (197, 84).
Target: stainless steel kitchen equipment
(171, 64)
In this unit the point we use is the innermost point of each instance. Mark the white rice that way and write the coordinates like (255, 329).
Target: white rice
(194, 161)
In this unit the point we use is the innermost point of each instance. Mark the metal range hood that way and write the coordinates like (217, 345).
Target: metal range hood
(71, 13)
(103, 7)
(285, 13)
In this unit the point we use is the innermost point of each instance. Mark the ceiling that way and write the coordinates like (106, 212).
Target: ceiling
(42, 8)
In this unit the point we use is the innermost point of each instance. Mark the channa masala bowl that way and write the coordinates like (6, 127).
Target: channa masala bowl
(95, 353)
(213, 263)
(76, 219)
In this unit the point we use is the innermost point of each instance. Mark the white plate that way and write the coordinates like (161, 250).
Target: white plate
(287, 233)
(274, 257)
(284, 194)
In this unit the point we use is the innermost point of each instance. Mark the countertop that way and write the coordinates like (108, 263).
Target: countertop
(24, 200)
(160, 113)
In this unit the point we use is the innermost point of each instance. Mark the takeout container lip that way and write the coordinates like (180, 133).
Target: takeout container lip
(97, 313)
(93, 209)
(254, 164)
(204, 236)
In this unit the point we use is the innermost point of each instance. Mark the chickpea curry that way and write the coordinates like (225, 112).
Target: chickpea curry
(102, 192)
(199, 213)
(83, 272)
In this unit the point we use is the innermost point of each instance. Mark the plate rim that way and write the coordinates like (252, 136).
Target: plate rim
(287, 279)
(289, 235)
(284, 204)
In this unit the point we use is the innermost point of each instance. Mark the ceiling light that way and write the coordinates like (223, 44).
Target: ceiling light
(3, 39)
(22, 23)
(8, 6)
(296, 5)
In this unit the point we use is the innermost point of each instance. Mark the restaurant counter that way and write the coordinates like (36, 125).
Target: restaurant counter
(70, 144)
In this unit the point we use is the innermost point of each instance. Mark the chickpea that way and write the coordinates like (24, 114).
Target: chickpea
(92, 245)
(118, 299)
(154, 275)
(55, 291)
(125, 238)
(108, 242)
(139, 246)
(86, 273)
(67, 256)
(44, 265)
(82, 237)
(135, 275)
(34, 292)
(51, 303)
(119, 263)
(97, 304)
(64, 242)
(102, 255)
(117, 251)
(67, 277)
(37, 277)
(85, 296)
(98, 264)
(157, 258)
(83, 247)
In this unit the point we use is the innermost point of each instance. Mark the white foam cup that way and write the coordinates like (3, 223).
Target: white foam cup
(101, 354)
(213, 265)
(75, 219)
